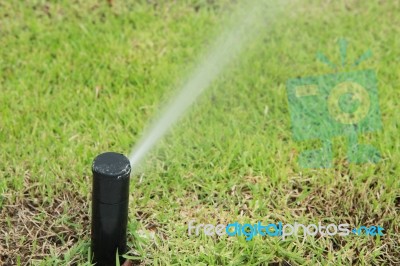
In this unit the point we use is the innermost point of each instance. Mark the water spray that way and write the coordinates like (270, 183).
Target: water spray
(110, 200)
(249, 19)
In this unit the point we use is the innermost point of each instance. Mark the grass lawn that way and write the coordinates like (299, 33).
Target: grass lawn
(78, 78)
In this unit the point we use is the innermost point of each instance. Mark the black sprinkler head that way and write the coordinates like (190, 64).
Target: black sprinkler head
(110, 200)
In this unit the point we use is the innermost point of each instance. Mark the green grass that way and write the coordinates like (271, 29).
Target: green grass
(227, 160)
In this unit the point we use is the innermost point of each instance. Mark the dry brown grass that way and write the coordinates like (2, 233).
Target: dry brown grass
(32, 228)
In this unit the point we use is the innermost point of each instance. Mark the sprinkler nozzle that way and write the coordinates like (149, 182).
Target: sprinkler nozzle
(110, 200)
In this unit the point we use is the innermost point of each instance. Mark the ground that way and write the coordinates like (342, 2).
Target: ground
(78, 78)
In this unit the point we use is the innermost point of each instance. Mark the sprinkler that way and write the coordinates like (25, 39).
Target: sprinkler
(110, 200)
